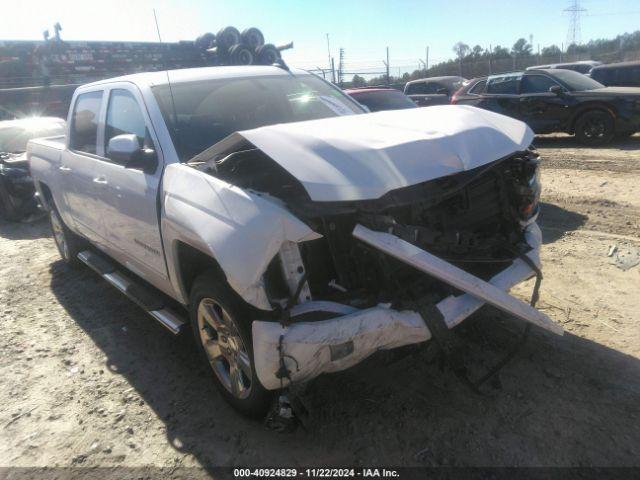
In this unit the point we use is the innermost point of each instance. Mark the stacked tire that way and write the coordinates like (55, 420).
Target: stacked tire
(231, 47)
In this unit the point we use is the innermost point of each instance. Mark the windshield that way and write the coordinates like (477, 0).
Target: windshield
(208, 111)
(14, 134)
(577, 82)
(384, 100)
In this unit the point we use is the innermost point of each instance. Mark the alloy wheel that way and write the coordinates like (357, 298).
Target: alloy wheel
(594, 128)
(224, 347)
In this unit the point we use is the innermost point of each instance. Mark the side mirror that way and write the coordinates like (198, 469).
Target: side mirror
(556, 90)
(442, 91)
(126, 150)
(123, 148)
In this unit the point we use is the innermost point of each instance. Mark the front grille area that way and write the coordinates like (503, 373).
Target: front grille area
(472, 224)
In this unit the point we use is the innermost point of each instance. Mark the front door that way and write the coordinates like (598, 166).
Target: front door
(542, 110)
(129, 201)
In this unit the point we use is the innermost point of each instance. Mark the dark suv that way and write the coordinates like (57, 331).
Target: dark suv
(558, 101)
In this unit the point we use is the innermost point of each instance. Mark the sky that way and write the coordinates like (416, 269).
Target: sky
(363, 28)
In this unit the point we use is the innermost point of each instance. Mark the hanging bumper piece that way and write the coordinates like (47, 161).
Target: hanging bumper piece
(308, 349)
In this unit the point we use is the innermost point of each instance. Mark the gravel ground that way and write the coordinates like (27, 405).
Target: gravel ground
(88, 380)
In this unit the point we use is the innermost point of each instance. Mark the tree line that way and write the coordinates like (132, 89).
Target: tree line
(478, 61)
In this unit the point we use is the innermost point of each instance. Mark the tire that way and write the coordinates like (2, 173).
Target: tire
(221, 324)
(68, 243)
(240, 55)
(205, 41)
(252, 38)
(594, 128)
(226, 38)
(267, 54)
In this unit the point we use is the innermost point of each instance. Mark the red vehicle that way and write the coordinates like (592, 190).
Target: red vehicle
(380, 98)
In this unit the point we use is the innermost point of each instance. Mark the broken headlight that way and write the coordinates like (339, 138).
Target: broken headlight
(525, 187)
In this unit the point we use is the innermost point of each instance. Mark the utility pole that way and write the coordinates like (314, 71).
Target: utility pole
(386, 64)
(328, 51)
(341, 67)
(333, 70)
(490, 54)
(426, 63)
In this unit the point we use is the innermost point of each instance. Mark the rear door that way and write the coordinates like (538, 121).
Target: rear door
(129, 196)
(501, 94)
(542, 110)
(78, 165)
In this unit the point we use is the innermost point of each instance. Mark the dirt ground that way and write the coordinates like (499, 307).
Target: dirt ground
(89, 380)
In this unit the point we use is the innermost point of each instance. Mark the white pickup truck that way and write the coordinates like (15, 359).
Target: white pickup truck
(296, 233)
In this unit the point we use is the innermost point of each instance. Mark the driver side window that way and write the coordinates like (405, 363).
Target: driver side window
(124, 117)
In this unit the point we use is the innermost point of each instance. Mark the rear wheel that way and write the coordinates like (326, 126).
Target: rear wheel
(595, 128)
(221, 325)
(69, 244)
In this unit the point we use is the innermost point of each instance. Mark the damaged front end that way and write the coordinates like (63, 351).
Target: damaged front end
(379, 268)
(353, 290)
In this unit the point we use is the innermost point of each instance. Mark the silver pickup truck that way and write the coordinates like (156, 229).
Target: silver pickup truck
(295, 233)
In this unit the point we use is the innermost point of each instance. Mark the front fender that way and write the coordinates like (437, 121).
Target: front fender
(241, 230)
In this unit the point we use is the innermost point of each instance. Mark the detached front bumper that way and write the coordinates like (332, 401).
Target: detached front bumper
(309, 349)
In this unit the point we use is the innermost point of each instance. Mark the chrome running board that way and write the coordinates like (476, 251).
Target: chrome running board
(146, 298)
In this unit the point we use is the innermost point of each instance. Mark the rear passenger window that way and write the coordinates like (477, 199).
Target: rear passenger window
(504, 84)
(124, 117)
(84, 122)
(536, 84)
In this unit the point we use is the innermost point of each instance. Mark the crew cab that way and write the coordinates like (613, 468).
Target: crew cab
(296, 233)
(558, 100)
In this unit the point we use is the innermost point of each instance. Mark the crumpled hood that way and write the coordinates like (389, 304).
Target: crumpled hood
(362, 157)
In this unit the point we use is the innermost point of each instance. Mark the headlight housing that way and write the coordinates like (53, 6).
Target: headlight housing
(526, 187)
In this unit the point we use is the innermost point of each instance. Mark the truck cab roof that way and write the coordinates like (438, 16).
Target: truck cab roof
(152, 79)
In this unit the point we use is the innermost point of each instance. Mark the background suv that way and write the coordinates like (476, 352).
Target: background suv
(557, 100)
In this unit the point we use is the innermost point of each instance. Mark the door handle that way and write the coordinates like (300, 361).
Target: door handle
(64, 168)
(100, 181)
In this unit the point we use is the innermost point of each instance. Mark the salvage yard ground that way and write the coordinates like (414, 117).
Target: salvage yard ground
(89, 380)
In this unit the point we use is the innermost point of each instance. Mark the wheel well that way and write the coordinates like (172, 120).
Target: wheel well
(193, 262)
(47, 200)
(587, 109)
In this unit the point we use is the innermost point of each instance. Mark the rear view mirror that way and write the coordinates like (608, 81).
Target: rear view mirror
(556, 90)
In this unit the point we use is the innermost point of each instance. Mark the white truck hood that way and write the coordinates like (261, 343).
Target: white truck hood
(361, 157)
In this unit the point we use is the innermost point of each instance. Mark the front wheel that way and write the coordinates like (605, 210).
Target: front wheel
(221, 325)
(68, 243)
(595, 128)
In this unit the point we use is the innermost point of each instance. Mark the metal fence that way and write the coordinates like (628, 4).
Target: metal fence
(471, 68)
